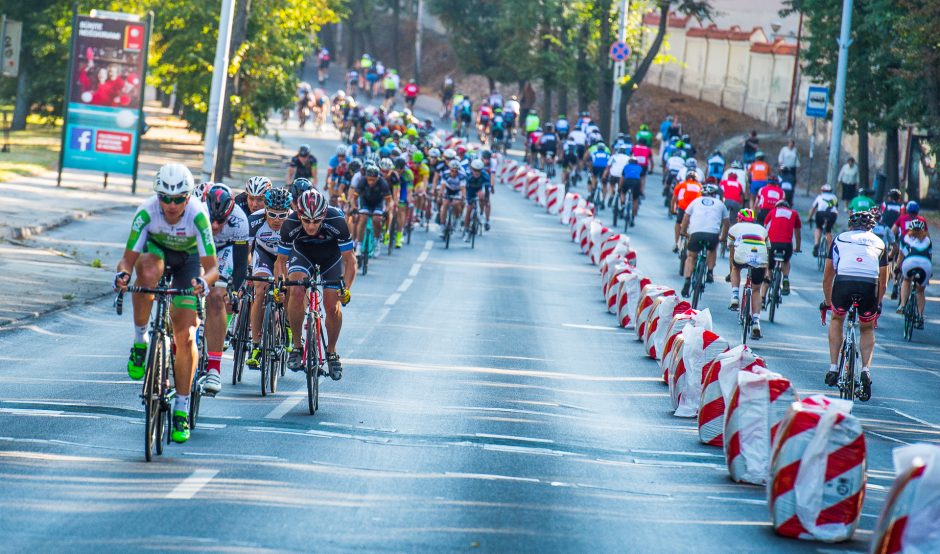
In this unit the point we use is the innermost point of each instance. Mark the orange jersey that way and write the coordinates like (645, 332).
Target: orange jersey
(759, 171)
(686, 192)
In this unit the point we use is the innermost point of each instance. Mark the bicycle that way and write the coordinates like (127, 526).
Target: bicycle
(314, 349)
(474, 222)
(624, 208)
(198, 389)
(367, 248)
(911, 316)
(744, 308)
(392, 230)
(157, 395)
(409, 222)
(774, 297)
(698, 274)
(241, 339)
(683, 254)
(821, 253)
(849, 379)
(273, 336)
(449, 224)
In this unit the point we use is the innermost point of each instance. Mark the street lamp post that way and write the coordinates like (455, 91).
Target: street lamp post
(835, 144)
(217, 92)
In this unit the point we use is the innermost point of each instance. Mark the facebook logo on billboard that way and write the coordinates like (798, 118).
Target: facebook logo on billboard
(81, 139)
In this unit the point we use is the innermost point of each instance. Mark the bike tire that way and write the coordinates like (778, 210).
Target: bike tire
(910, 315)
(266, 347)
(242, 341)
(821, 254)
(408, 228)
(151, 399)
(312, 367)
(773, 296)
(698, 283)
(392, 231)
(366, 250)
(627, 212)
(683, 254)
(194, 399)
(447, 229)
(744, 316)
(277, 353)
(474, 225)
(848, 392)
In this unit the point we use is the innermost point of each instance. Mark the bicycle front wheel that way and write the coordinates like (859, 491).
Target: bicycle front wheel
(773, 296)
(267, 346)
(848, 389)
(151, 397)
(312, 365)
(698, 282)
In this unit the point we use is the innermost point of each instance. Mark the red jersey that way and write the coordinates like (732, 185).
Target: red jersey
(768, 196)
(410, 90)
(486, 111)
(732, 190)
(643, 154)
(903, 223)
(780, 224)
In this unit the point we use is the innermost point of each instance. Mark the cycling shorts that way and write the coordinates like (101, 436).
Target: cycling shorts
(695, 240)
(473, 194)
(633, 185)
(547, 151)
(756, 186)
(374, 208)
(757, 273)
(825, 220)
(450, 194)
(571, 159)
(302, 260)
(389, 93)
(680, 213)
(844, 288)
(597, 171)
(262, 263)
(786, 248)
(918, 269)
(183, 268)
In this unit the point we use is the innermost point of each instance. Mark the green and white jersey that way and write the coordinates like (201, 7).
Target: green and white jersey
(192, 233)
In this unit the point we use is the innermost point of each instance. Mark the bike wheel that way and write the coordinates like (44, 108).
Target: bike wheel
(242, 340)
(267, 346)
(447, 229)
(698, 282)
(312, 367)
(848, 390)
(151, 397)
(683, 254)
(278, 344)
(474, 226)
(773, 296)
(409, 227)
(366, 250)
(627, 211)
(744, 316)
(910, 316)
(392, 231)
(194, 400)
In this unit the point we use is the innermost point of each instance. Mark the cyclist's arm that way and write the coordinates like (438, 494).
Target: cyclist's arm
(127, 262)
(829, 274)
(723, 234)
(683, 229)
(882, 282)
(290, 174)
(280, 266)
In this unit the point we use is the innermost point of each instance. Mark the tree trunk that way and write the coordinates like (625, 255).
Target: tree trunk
(892, 161)
(605, 81)
(227, 129)
(491, 82)
(627, 89)
(562, 101)
(21, 107)
(396, 28)
(546, 100)
(349, 43)
(864, 164)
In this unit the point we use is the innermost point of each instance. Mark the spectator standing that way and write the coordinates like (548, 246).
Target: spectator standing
(664, 129)
(751, 145)
(848, 178)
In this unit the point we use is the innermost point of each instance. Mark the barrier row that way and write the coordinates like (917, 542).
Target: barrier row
(809, 453)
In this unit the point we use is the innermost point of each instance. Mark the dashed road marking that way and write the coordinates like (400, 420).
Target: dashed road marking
(415, 268)
(191, 485)
(405, 285)
(382, 314)
(392, 299)
(281, 409)
(591, 327)
(424, 255)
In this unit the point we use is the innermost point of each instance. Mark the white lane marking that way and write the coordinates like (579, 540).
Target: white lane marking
(281, 409)
(428, 244)
(392, 299)
(192, 484)
(424, 255)
(415, 268)
(591, 327)
(917, 419)
(886, 437)
(676, 453)
(405, 285)
(382, 315)
(510, 437)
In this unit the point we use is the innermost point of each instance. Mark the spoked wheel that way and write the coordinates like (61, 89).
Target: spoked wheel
(698, 283)
(774, 296)
(312, 365)
(275, 369)
(241, 340)
(267, 346)
(744, 316)
(194, 399)
(365, 250)
(151, 398)
(848, 390)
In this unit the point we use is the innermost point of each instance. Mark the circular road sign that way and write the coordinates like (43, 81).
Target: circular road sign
(619, 51)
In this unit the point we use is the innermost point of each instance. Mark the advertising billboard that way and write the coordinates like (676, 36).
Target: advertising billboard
(105, 94)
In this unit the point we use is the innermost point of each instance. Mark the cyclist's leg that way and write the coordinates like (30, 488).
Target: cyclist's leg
(299, 266)
(758, 276)
(835, 337)
(149, 269)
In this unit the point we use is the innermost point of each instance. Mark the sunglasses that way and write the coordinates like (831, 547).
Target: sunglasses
(308, 221)
(167, 199)
(276, 215)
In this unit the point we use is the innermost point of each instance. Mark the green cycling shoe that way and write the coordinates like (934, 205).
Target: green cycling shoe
(135, 364)
(254, 360)
(180, 432)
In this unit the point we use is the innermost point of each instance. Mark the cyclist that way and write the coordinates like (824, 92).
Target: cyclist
(911, 214)
(304, 164)
(548, 146)
(447, 96)
(454, 188)
(336, 174)
(562, 126)
(705, 222)
(422, 172)
(632, 180)
(890, 213)
(511, 112)
(683, 195)
(767, 198)
(757, 175)
(861, 203)
(747, 240)
(317, 235)
(644, 135)
(824, 213)
(733, 192)
(411, 92)
(600, 159)
(498, 127)
(857, 266)
(614, 171)
(390, 86)
(783, 230)
(230, 236)
(406, 180)
(484, 117)
(532, 146)
(264, 228)
(915, 260)
(570, 158)
(489, 163)
(252, 199)
(477, 182)
(716, 165)
(463, 115)
(689, 166)
(644, 155)
(374, 200)
(532, 122)
(675, 164)
(170, 231)
(495, 99)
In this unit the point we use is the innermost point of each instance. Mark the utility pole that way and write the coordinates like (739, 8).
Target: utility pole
(219, 75)
(619, 68)
(418, 32)
(835, 144)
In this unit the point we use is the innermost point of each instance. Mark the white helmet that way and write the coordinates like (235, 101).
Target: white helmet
(199, 191)
(341, 150)
(312, 204)
(174, 179)
(258, 185)
(434, 153)
(450, 154)
(385, 164)
(341, 94)
(477, 164)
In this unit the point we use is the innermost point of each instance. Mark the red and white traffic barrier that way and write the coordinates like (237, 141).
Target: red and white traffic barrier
(648, 297)
(576, 226)
(532, 184)
(570, 202)
(584, 234)
(711, 411)
(519, 179)
(910, 518)
(612, 243)
(598, 237)
(817, 472)
(700, 347)
(660, 317)
(629, 286)
(672, 357)
(758, 404)
(554, 199)
(611, 286)
(672, 367)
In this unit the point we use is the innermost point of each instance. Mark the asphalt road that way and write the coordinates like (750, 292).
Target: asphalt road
(488, 402)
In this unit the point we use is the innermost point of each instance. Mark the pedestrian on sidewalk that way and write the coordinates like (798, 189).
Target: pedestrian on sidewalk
(664, 129)
(789, 161)
(751, 145)
(848, 179)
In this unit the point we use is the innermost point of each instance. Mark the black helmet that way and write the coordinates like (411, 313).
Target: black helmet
(710, 190)
(304, 150)
(372, 170)
(782, 204)
(299, 186)
(895, 194)
(400, 163)
(220, 202)
(354, 166)
(277, 199)
(863, 220)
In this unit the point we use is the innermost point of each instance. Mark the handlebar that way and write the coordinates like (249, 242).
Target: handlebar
(160, 291)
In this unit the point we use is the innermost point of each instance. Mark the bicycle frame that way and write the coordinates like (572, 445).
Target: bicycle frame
(744, 307)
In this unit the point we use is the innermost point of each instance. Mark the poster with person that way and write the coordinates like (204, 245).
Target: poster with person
(105, 94)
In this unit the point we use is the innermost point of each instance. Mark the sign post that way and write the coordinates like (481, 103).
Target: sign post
(10, 39)
(817, 106)
(104, 96)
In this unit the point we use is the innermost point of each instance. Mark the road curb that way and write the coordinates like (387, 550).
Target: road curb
(29, 231)
(27, 320)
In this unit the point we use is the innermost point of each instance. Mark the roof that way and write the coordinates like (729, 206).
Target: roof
(778, 47)
(675, 20)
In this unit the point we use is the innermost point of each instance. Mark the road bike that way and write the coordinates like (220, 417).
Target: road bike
(744, 308)
(821, 252)
(683, 254)
(474, 222)
(367, 248)
(596, 197)
(623, 208)
(911, 317)
(449, 222)
(274, 337)
(774, 295)
(549, 164)
(241, 338)
(314, 349)
(198, 389)
(849, 379)
(698, 274)
(158, 394)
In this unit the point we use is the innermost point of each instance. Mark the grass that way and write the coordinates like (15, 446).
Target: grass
(31, 151)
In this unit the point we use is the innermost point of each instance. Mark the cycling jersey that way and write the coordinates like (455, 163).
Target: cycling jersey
(861, 204)
(304, 168)
(686, 192)
(631, 171)
(684, 174)
(706, 215)
(759, 172)
(890, 212)
(478, 183)
(643, 154)
(826, 202)
(675, 163)
(919, 248)
(453, 183)
(548, 142)
(406, 180)
(512, 107)
(617, 163)
(600, 157)
(235, 230)
(716, 165)
(191, 234)
(578, 137)
(750, 244)
(486, 112)
(562, 126)
(498, 123)
(422, 174)
(645, 135)
(858, 255)
(781, 223)
(411, 90)
(904, 223)
(768, 197)
(531, 123)
(732, 190)
(262, 236)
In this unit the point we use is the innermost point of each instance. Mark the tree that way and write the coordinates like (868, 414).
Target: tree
(476, 33)
(701, 9)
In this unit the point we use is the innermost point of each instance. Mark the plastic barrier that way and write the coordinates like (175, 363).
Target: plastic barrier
(541, 197)
(817, 471)
(570, 201)
(577, 219)
(628, 294)
(612, 243)
(553, 201)
(648, 296)
(584, 235)
(672, 325)
(611, 285)
(701, 347)
(518, 180)
(712, 407)
(598, 237)
(910, 518)
(659, 321)
(612, 257)
(758, 404)
(673, 368)
(532, 184)
(672, 357)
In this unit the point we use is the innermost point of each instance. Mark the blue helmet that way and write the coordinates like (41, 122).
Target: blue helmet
(913, 208)
(277, 199)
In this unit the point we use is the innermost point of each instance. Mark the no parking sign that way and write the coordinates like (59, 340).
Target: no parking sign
(619, 51)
